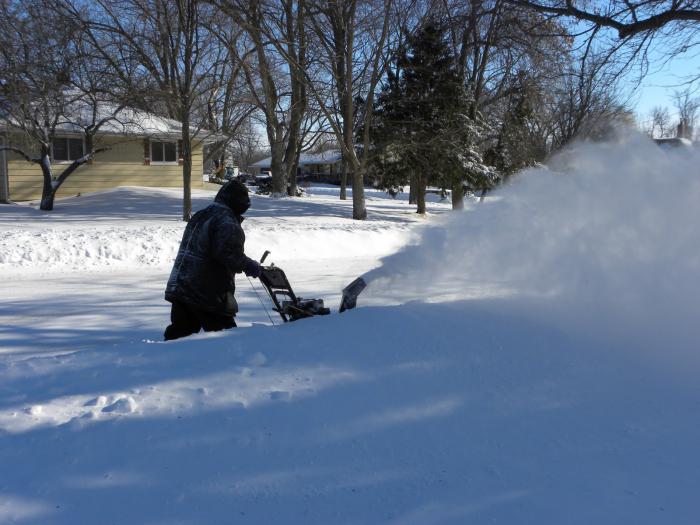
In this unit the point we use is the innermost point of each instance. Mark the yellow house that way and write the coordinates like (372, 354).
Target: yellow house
(143, 155)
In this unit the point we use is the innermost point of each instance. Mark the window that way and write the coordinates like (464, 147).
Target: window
(163, 151)
(66, 150)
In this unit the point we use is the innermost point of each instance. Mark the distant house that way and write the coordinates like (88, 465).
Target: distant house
(4, 182)
(674, 143)
(144, 150)
(317, 167)
(684, 133)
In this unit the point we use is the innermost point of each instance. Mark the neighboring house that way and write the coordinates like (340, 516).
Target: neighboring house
(673, 143)
(318, 167)
(683, 138)
(144, 150)
(4, 183)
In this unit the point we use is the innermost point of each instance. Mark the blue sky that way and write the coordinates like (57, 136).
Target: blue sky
(668, 71)
(658, 87)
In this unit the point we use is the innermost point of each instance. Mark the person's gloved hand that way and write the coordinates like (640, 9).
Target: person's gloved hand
(252, 268)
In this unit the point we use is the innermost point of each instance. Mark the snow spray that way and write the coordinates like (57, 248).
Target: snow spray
(606, 235)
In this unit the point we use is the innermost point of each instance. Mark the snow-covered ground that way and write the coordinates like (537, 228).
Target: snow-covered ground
(93, 271)
(531, 360)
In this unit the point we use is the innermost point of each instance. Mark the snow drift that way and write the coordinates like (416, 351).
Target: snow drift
(609, 230)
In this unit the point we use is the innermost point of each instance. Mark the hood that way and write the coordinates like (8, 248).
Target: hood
(234, 195)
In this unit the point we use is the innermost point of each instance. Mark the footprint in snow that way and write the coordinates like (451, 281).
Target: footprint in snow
(35, 410)
(99, 401)
(123, 405)
(257, 359)
(280, 395)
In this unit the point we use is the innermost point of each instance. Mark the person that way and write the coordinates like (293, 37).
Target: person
(201, 286)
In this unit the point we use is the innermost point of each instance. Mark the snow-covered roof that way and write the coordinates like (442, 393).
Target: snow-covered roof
(305, 159)
(674, 142)
(117, 121)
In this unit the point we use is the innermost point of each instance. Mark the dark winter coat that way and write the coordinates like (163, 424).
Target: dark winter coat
(211, 253)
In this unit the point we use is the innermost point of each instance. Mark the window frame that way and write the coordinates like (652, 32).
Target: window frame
(163, 162)
(68, 139)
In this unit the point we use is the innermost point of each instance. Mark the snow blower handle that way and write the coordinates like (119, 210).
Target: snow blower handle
(264, 256)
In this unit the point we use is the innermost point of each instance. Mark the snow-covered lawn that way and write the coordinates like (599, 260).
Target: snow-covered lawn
(531, 360)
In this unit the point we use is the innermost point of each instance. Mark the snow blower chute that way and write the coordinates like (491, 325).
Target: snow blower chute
(289, 306)
(350, 293)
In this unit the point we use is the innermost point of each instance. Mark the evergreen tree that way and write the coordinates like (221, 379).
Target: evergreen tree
(422, 132)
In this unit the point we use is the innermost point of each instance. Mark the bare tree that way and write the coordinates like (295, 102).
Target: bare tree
(48, 87)
(272, 67)
(586, 102)
(247, 146)
(669, 27)
(351, 40)
(511, 60)
(661, 126)
(162, 54)
(687, 106)
(229, 103)
(628, 18)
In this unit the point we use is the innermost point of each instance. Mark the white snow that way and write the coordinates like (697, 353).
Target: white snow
(139, 227)
(531, 360)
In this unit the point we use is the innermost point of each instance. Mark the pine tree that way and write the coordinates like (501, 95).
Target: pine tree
(422, 131)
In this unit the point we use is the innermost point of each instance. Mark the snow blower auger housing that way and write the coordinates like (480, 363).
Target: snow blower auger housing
(286, 303)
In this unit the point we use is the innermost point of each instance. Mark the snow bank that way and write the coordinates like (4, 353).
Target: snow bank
(122, 247)
(129, 228)
(610, 231)
(88, 247)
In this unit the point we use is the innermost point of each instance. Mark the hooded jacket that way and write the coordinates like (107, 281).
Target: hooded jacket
(211, 253)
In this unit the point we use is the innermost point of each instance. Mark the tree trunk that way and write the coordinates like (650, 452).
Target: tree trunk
(420, 194)
(186, 169)
(292, 150)
(359, 210)
(457, 195)
(298, 104)
(277, 170)
(290, 163)
(51, 185)
(268, 103)
(344, 181)
(48, 192)
(413, 189)
(292, 182)
(47, 199)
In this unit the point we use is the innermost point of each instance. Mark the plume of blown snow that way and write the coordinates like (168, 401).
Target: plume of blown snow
(606, 236)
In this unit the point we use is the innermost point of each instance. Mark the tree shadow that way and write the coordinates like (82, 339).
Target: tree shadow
(153, 204)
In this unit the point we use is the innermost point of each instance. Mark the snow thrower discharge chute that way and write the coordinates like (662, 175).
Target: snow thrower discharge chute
(289, 306)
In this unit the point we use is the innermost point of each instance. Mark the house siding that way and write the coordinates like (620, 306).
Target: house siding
(122, 165)
(4, 186)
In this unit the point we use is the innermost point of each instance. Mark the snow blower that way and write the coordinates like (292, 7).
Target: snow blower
(289, 306)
